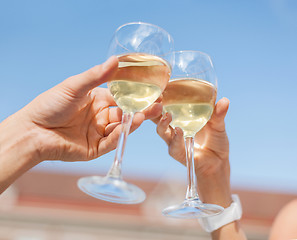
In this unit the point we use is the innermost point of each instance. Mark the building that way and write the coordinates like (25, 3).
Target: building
(49, 206)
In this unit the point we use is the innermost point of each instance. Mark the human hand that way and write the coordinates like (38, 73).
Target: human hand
(211, 154)
(77, 121)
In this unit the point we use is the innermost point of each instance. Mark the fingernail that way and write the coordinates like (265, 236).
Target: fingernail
(175, 131)
(178, 130)
(164, 117)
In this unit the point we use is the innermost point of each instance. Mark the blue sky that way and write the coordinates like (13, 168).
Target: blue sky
(254, 49)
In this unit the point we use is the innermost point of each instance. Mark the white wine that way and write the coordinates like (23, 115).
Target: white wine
(139, 81)
(133, 97)
(190, 102)
(189, 117)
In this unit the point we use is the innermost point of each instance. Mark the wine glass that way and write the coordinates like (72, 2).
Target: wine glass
(143, 72)
(190, 98)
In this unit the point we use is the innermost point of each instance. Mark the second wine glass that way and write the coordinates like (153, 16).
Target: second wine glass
(143, 72)
(190, 98)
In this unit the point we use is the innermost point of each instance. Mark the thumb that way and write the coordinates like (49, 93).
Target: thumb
(219, 114)
(216, 138)
(79, 85)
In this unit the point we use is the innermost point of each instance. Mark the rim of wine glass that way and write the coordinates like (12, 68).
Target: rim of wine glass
(202, 53)
(144, 23)
(196, 51)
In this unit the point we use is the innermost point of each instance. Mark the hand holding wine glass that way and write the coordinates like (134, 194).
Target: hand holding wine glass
(73, 121)
(211, 154)
(144, 70)
(190, 99)
(211, 162)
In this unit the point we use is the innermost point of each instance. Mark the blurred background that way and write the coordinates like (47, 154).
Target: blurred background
(253, 47)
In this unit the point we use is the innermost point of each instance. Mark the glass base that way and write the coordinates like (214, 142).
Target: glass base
(192, 209)
(111, 190)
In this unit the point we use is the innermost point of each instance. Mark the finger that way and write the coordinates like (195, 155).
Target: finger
(79, 85)
(110, 127)
(109, 143)
(214, 137)
(158, 117)
(219, 114)
(177, 146)
(113, 132)
(164, 130)
(106, 118)
(115, 115)
(156, 120)
(102, 97)
(201, 136)
(137, 121)
(154, 111)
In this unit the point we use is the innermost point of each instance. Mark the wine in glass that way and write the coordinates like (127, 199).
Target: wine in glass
(143, 72)
(190, 98)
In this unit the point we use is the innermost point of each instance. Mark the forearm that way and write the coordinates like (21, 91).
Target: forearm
(17, 150)
(216, 189)
(231, 231)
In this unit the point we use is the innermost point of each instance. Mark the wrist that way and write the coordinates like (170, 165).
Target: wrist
(221, 197)
(18, 151)
(215, 190)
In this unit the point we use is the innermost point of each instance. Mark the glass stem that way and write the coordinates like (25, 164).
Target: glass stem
(191, 174)
(116, 169)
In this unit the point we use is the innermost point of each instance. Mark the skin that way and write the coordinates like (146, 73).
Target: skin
(211, 162)
(73, 121)
(284, 226)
